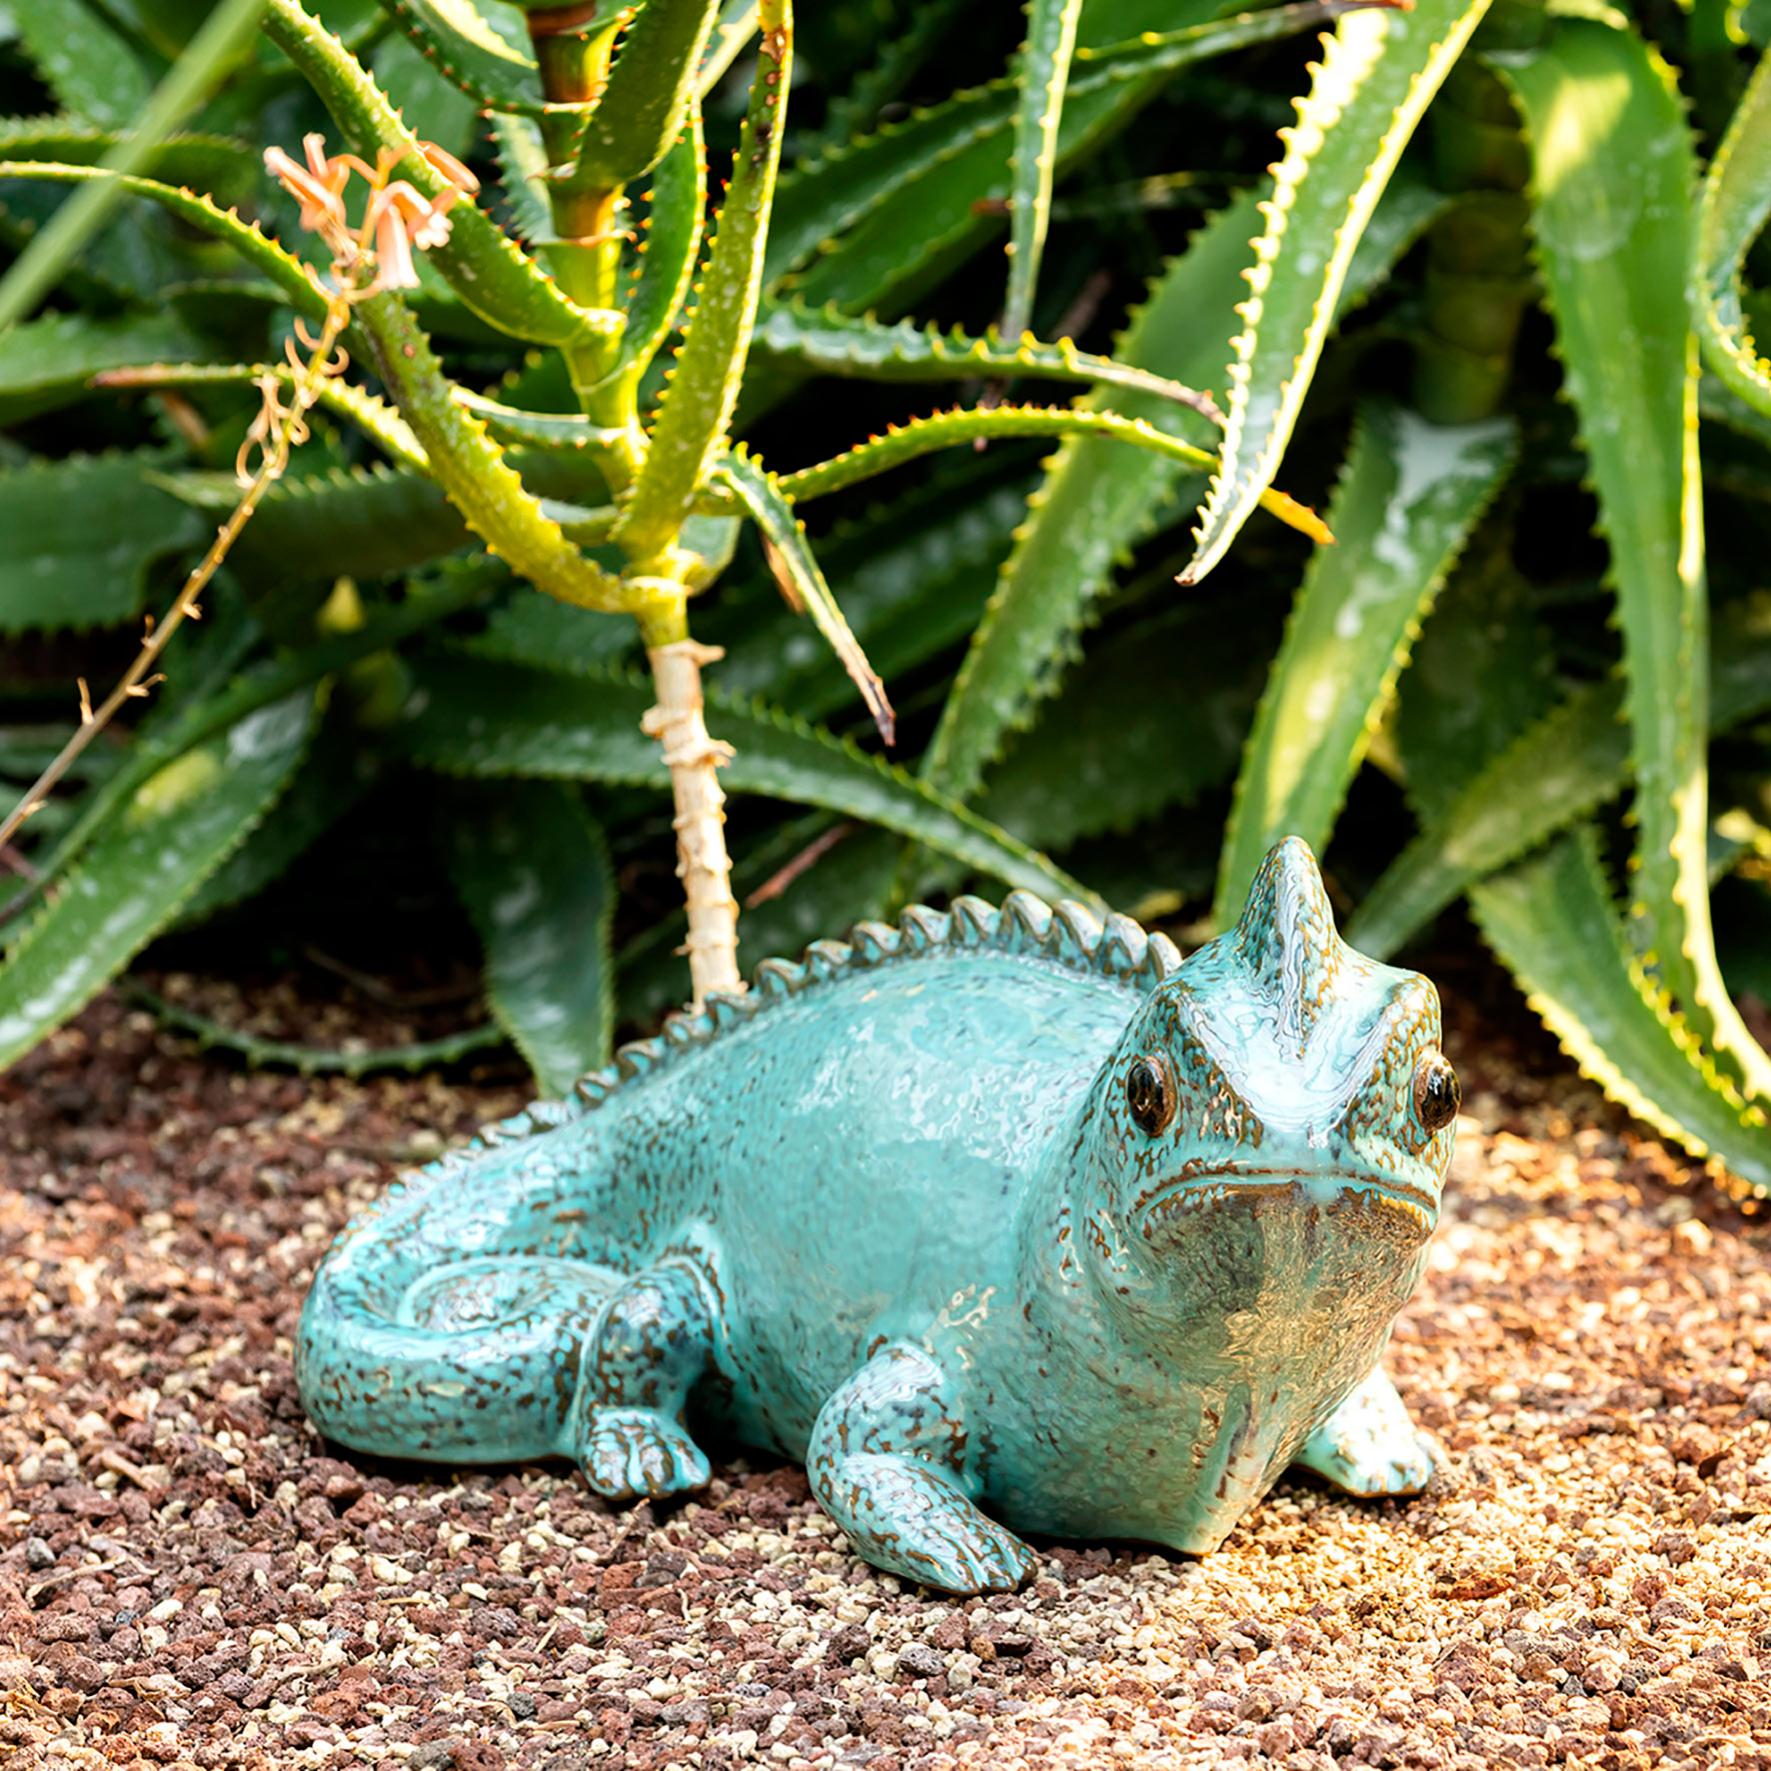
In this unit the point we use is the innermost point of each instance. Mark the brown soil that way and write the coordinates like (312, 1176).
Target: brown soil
(187, 1576)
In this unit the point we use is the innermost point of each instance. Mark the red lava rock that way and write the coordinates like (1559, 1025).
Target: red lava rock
(849, 1643)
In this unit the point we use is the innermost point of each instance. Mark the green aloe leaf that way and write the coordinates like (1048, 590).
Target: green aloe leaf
(160, 25)
(214, 44)
(198, 159)
(1552, 922)
(1612, 173)
(204, 704)
(532, 867)
(434, 110)
(522, 164)
(50, 362)
(690, 430)
(1735, 204)
(671, 243)
(89, 66)
(1378, 72)
(858, 224)
(833, 343)
(946, 430)
(898, 56)
(1116, 746)
(128, 263)
(1557, 771)
(458, 42)
(471, 467)
(915, 573)
(1041, 78)
(570, 433)
(561, 433)
(61, 566)
(927, 221)
(1483, 670)
(735, 26)
(1479, 678)
(1099, 501)
(319, 1060)
(471, 717)
(797, 571)
(1407, 501)
(535, 630)
(358, 522)
(198, 665)
(338, 770)
(264, 255)
(368, 412)
(176, 828)
(640, 111)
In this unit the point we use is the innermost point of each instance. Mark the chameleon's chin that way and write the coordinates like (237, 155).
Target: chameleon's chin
(1282, 1276)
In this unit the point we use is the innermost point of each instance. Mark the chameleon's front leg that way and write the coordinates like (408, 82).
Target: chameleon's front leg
(654, 1339)
(1369, 1446)
(887, 1463)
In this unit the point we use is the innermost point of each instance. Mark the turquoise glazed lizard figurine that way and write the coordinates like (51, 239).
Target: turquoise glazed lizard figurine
(1001, 1220)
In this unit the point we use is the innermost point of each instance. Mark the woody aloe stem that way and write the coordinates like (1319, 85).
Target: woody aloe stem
(703, 863)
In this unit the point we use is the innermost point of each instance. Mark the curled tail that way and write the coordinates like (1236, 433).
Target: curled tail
(446, 1322)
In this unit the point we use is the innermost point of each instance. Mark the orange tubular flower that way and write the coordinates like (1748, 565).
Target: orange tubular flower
(451, 168)
(318, 187)
(402, 217)
(398, 218)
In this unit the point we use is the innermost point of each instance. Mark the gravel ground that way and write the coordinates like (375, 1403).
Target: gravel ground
(187, 1577)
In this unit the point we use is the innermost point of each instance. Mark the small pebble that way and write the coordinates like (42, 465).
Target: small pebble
(919, 1661)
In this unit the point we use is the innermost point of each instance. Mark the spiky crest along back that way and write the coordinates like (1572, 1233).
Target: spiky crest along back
(1066, 934)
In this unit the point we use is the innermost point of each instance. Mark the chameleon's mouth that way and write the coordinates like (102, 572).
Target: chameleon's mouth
(1205, 1185)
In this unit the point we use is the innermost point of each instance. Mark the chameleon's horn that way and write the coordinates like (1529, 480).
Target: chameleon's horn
(1286, 938)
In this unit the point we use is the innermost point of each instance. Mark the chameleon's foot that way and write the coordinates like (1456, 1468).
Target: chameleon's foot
(907, 1517)
(907, 1513)
(653, 1339)
(630, 1453)
(1369, 1446)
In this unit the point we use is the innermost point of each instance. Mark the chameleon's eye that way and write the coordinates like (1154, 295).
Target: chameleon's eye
(1437, 1096)
(1150, 1094)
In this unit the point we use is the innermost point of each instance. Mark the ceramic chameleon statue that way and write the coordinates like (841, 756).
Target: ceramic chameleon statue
(1001, 1220)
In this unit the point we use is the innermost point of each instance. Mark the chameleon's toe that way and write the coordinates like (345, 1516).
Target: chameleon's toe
(973, 1555)
(987, 1559)
(910, 1518)
(629, 1453)
(1411, 1470)
(1369, 1447)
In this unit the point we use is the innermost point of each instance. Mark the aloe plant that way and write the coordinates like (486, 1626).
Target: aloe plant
(560, 552)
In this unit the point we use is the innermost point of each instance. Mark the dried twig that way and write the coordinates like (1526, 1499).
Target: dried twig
(376, 254)
(277, 430)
